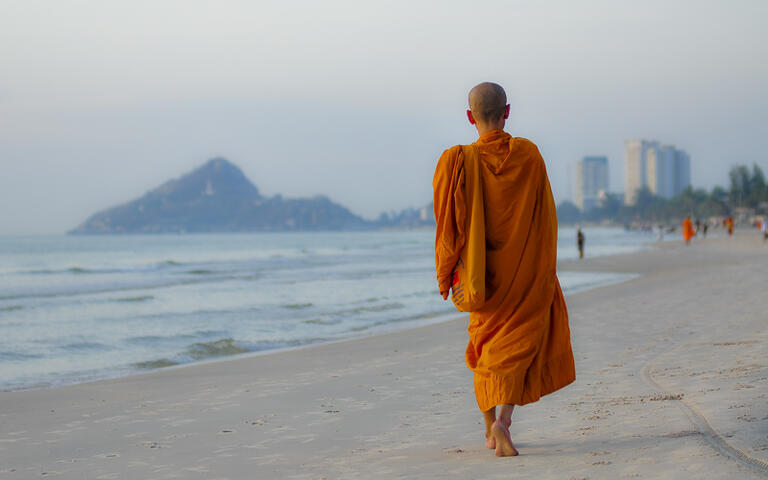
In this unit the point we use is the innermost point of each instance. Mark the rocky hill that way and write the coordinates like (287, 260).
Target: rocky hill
(218, 197)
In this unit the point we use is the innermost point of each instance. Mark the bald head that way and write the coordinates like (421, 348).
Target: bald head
(488, 102)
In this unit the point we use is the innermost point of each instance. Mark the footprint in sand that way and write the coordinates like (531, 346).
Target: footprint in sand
(108, 455)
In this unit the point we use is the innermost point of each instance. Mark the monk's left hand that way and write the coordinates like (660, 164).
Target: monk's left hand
(445, 295)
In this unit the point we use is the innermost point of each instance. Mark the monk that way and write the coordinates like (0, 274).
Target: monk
(688, 232)
(729, 223)
(519, 341)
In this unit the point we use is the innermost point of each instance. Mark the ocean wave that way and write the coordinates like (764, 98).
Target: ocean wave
(161, 339)
(322, 321)
(85, 346)
(216, 348)
(246, 276)
(142, 298)
(335, 317)
(11, 356)
(297, 306)
(152, 364)
(405, 318)
(370, 309)
(224, 347)
(77, 270)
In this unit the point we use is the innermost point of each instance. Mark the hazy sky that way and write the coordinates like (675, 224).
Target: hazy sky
(101, 101)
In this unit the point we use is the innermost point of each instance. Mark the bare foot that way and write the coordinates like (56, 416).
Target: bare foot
(490, 442)
(504, 446)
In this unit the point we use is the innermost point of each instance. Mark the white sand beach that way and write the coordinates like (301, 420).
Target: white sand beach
(672, 382)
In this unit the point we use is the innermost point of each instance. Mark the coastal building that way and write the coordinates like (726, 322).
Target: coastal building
(636, 168)
(591, 181)
(668, 155)
(655, 169)
(682, 179)
(663, 169)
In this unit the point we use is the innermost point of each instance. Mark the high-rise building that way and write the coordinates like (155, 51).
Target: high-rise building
(591, 180)
(636, 168)
(668, 155)
(655, 171)
(682, 172)
(663, 169)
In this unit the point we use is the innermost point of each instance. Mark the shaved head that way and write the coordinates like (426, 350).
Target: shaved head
(487, 102)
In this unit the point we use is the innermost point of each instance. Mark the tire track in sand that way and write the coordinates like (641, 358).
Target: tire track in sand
(701, 425)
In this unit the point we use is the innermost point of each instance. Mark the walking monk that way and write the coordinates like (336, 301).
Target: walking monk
(519, 340)
(688, 232)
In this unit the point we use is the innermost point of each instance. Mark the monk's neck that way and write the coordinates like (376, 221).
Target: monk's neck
(488, 133)
(482, 129)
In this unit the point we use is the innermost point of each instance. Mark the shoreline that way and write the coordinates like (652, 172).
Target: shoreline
(49, 381)
(437, 319)
(401, 404)
(567, 265)
(441, 318)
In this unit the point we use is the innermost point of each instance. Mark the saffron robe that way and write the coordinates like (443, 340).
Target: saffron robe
(688, 232)
(519, 341)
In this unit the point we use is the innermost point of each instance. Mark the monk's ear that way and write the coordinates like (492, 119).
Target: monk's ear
(470, 117)
(506, 112)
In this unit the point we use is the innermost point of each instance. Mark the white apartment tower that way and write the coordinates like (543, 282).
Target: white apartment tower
(663, 169)
(636, 168)
(591, 181)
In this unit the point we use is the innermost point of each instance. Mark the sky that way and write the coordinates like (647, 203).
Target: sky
(102, 101)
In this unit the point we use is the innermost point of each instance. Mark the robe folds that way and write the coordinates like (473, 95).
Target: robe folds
(519, 340)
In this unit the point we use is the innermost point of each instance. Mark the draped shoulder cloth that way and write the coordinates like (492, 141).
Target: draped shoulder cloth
(468, 278)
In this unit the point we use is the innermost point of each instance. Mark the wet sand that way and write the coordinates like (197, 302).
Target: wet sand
(672, 382)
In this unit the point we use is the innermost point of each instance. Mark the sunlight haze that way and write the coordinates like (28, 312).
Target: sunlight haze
(102, 101)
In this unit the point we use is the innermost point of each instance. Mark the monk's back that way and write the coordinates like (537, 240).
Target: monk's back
(512, 177)
(511, 168)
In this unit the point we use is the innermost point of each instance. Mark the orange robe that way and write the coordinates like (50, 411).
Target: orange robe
(687, 230)
(519, 341)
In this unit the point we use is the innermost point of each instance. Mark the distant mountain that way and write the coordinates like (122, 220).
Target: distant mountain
(218, 197)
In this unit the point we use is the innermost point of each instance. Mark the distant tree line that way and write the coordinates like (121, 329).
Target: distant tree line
(747, 190)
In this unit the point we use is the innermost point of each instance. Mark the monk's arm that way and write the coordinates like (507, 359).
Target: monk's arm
(450, 216)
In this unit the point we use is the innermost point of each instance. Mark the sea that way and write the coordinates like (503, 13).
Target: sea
(79, 308)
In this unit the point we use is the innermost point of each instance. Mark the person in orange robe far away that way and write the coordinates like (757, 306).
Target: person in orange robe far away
(687, 230)
(729, 223)
(519, 340)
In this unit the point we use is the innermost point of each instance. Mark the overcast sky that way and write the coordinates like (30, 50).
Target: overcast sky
(102, 101)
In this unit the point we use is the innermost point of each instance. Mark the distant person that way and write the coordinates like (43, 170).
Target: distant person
(688, 232)
(580, 242)
(705, 228)
(764, 229)
(519, 341)
(659, 230)
(729, 224)
(698, 227)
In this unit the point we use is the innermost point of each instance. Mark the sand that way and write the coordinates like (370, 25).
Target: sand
(672, 382)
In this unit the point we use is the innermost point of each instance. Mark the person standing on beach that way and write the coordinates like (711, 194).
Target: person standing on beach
(519, 340)
(580, 242)
(729, 224)
(764, 229)
(688, 232)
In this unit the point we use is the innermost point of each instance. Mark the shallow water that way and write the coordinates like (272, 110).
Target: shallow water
(74, 309)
